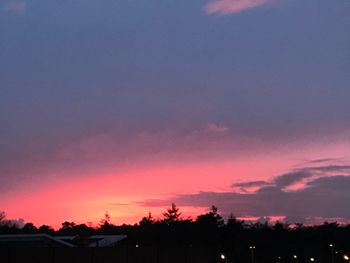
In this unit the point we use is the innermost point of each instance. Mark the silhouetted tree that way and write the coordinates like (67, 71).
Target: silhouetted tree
(271, 240)
(46, 229)
(211, 218)
(106, 227)
(147, 220)
(2, 216)
(106, 220)
(68, 225)
(208, 225)
(172, 215)
(29, 228)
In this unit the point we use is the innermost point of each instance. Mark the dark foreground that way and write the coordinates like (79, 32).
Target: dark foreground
(164, 254)
(206, 239)
(104, 255)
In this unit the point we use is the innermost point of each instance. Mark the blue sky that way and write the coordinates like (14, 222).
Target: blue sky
(277, 62)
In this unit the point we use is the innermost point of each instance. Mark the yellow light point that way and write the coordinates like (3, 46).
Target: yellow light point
(346, 257)
(222, 256)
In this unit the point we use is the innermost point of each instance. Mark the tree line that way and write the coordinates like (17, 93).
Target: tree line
(278, 242)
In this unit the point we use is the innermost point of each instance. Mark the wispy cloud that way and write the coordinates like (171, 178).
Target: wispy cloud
(16, 7)
(226, 7)
(323, 160)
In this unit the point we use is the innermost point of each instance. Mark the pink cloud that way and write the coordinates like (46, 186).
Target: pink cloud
(217, 128)
(226, 7)
(16, 7)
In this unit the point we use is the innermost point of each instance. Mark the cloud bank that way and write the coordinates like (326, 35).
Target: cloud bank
(324, 195)
(226, 7)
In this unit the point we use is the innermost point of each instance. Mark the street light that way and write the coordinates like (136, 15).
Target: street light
(312, 259)
(332, 251)
(346, 257)
(223, 257)
(252, 248)
(295, 258)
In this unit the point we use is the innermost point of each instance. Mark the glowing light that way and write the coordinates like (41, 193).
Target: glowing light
(222, 256)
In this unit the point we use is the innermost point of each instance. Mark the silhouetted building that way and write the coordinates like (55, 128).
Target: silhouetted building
(45, 240)
(32, 240)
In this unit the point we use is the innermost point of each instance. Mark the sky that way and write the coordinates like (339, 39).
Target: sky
(127, 106)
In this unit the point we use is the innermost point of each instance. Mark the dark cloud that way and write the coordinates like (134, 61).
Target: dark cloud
(322, 197)
(298, 175)
(251, 184)
(292, 177)
(331, 168)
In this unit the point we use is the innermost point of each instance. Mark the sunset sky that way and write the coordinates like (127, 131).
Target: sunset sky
(127, 106)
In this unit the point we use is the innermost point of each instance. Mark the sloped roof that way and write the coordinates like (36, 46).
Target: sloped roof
(68, 241)
(106, 240)
(27, 238)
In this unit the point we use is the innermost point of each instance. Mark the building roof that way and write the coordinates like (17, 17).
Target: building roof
(106, 240)
(36, 240)
(45, 240)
